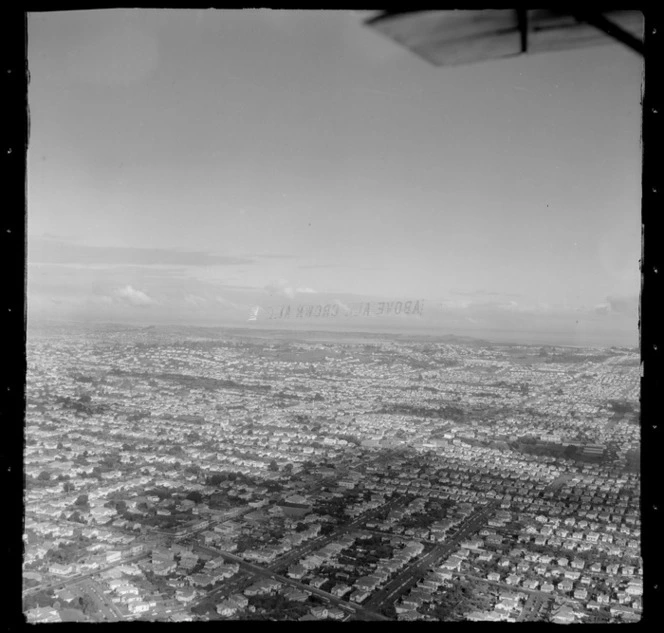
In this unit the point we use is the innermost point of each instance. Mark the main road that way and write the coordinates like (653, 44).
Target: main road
(122, 561)
(106, 606)
(532, 608)
(64, 582)
(262, 571)
(301, 551)
(412, 574)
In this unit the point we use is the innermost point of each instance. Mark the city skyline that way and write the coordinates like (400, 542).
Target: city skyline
(185, 167)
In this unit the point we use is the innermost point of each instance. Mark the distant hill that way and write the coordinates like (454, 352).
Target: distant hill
(164, 331)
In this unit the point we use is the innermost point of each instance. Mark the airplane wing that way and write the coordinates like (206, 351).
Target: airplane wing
(449, 38)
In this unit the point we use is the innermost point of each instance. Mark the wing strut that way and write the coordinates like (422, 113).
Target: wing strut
(611, 29)
(522, 17)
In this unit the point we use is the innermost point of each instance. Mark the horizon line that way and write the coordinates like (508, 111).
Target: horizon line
(248, 328)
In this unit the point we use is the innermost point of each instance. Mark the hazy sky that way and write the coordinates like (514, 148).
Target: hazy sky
(184, 166)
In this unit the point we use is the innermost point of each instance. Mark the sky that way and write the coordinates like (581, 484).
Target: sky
(191, 166)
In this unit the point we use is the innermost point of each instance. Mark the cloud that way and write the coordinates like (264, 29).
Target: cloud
(627, 305)
(211, 301)
(282, 288)
(225, 302)
(195, 301)
(483, 293)
(484, 307)
(342, 305)
(59, 252)
(454, 304)
(134, 297)
(513, 306)
(623, 305)
(274, 256)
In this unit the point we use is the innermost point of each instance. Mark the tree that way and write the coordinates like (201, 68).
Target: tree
(68, 487)
(196, 496)
(215, 480)
(76, 517)
(82, 500)
(273, 466)
(44, 476)
(39, 599)
(86, 604)
(570, 451)
(111, 460)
